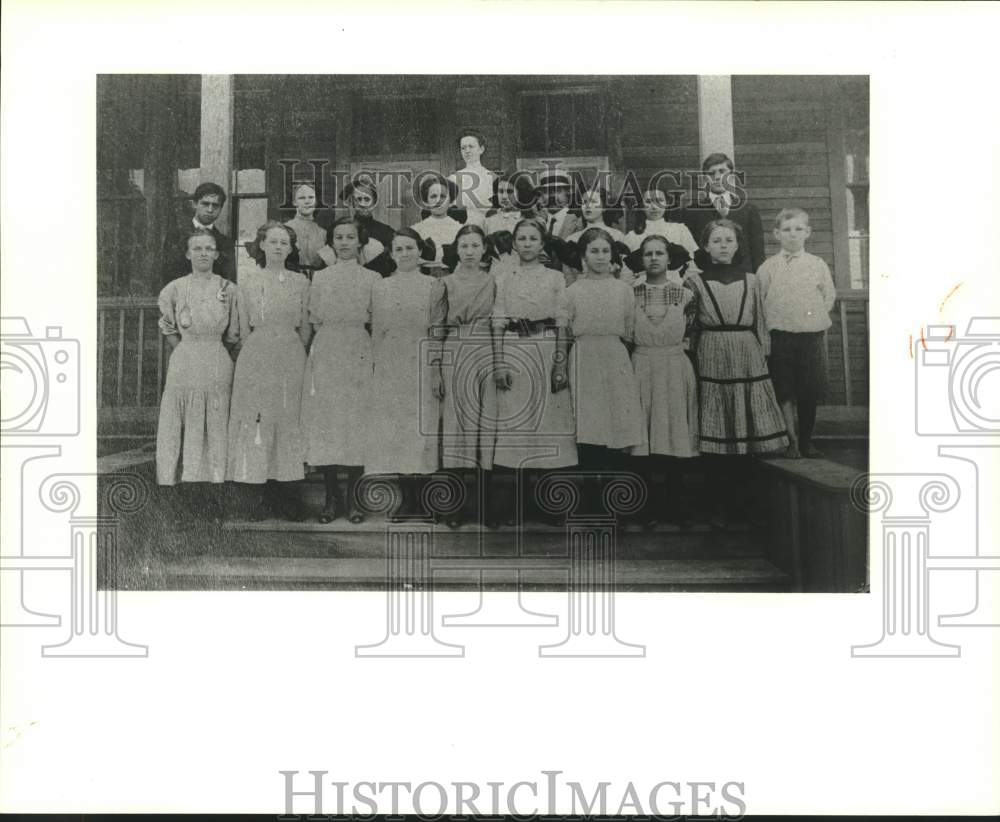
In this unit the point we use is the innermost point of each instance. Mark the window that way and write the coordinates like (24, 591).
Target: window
(399, 125)
(148, 141)
(856, 138)
(567, 121)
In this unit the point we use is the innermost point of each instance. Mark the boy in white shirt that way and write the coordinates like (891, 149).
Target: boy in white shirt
(798, 295)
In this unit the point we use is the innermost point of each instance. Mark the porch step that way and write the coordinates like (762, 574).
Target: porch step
(369, 539)
(536, 573)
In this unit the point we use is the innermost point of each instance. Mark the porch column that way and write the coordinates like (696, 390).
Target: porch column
(715, 115)
(216, 163)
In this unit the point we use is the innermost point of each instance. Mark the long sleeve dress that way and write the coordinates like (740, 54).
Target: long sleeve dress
(668, 387)
(601, 313)
(191, 437)
(265, 432)
(738, 412)
(469, 409)
(402, 421)
(336, 389)
(535, 427)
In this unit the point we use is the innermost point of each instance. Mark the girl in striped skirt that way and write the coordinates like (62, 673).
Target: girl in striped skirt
(738, 411)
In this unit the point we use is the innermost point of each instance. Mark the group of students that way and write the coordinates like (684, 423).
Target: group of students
(520, 351)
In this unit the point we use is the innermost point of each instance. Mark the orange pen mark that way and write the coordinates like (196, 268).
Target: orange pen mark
(948, 297)
(923, 341)
(911, 346)
(951, 333)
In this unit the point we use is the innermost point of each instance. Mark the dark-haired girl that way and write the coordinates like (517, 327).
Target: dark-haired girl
(402, 421)
(595, 214)
(535, 417)
(651, 222)
(668, 389)
(469, 402)
(437, 195)
(601, 313)
(265, 434)
(336, 391)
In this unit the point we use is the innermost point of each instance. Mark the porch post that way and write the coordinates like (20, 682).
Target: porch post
(715, 115)
(216, 162)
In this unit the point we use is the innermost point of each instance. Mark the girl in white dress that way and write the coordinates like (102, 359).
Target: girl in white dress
(668, 389)
(265, 432)
(408, 310)
(535, 416)
(437, 195)
(600, 312)
(651, 222)
(200, 322)
(336, 391)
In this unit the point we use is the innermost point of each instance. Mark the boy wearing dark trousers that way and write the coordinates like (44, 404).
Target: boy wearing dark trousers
(798, 295)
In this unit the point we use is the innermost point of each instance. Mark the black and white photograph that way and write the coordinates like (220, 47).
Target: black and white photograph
(551, 409)
(496, 305)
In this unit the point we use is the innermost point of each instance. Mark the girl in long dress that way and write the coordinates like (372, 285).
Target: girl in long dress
(265, 433)
(336, 390)
(668, 388)
(198, 318)
(601, 313)
(469, 404)
(408, 308)
(738, 412)
(535, 429)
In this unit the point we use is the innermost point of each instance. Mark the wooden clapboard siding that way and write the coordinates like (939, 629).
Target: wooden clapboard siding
(659, 124)
(477, 106)
(855, 308)
(780, 130)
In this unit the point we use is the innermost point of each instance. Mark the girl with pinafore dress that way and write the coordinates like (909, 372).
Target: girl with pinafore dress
(402, 424)
(265, 433)
(469, 401)
(600, 313)
(336, 390)
(665, 305)
(738, 412)
(198, 317)
(535, 419)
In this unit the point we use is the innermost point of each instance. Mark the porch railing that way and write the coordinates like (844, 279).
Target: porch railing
(132, 358)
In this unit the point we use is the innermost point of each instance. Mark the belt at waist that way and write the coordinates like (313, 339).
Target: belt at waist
(529, 328)
(659, 350)
(727, 328)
